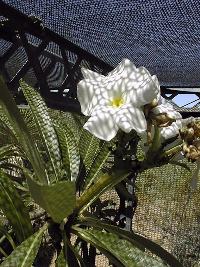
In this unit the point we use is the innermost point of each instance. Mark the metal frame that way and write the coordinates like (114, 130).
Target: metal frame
(16, 28)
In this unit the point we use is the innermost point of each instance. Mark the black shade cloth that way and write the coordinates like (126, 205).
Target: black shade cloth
(162, 35)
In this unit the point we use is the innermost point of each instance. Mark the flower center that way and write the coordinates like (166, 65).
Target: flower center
(116, 102)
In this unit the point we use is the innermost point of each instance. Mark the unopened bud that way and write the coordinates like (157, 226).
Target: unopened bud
(197, 129)
(162, 120)
(154, 103)
(196, 143)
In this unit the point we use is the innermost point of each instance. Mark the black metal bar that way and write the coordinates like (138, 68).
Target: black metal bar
(33, 59)
(27, 24)
(8, 54)
(193, 90)
(15, 80)
(187, 114)
(70, 77)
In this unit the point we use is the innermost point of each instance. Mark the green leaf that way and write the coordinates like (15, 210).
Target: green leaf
(7, 151)
(89, 146)
(123, 250)
(71, 120)
(72, 256)
(45, 126)
(25, 253)
(4, 120)
(21, 131)
(69, 151)
(104, 183)
(137, 240)
(61, 262)
(98, 163)
(30, 122)
(14, 209)
(57, 199)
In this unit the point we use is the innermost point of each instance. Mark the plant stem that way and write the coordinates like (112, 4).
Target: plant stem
(172, 151)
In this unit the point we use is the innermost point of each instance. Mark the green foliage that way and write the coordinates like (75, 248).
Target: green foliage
(98, 163)
(14, 209)
(136, 240)
(94, 154)
(7, 152)
(123, 250)
(57, 199)
(21, 131)
(70, 120)
(61, 173)
(6, 235)
(104, 183)
(89, 146)
(61, 262)
(69, 151)
(45, 127)
(24, 254)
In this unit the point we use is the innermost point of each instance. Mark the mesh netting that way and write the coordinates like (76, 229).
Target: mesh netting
(168, 212)
(161, 35)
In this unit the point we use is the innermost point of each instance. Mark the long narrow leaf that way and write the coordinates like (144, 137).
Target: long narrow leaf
(10, 109)
(25, 253)
(89, 146)
(70, 153)
(7, 151)
(105, 252)
(123, 250)
(71, 120)
(61, 262)
(14, 209)
(98, 163)
(105, 182)
(45, 126)
(137, 240)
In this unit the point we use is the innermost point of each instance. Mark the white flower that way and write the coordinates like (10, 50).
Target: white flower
(116, 101)
(165, 107)
(173, 129)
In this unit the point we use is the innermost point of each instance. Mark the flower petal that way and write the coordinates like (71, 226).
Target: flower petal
(147, 88)
(89, 74)
(172, 130)
(123, 69)
(131, 118)
(173, 114)
(166, 107)
(101, 123)
(89, 94)
(116, 82)
(85, 93)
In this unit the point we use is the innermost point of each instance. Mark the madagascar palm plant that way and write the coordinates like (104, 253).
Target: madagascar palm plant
(50, 199)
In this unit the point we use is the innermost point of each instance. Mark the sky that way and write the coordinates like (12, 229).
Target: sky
(186, 99)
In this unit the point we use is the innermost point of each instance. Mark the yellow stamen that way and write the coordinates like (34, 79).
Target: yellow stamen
(116, 102)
